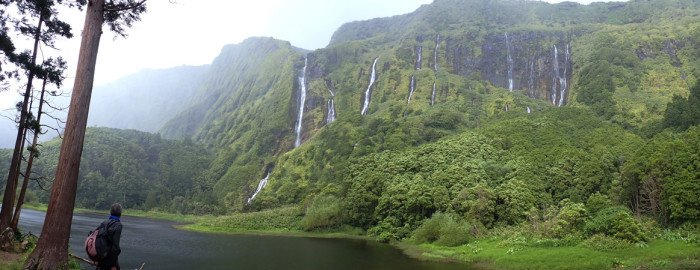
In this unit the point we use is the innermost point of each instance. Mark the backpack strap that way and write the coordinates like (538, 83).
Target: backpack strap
(109, 235)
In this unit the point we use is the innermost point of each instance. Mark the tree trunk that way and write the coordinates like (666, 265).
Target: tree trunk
(11, 185)
(28, 172)
(52, 250)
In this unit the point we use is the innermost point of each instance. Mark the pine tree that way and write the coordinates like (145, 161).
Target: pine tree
(52, 250)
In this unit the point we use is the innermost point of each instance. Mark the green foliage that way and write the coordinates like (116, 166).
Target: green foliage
(570, 219)
(616, 222)
(596, 88)
(603, 242)
(666, 170)
(478, 203)
(514, 201)
(443, 229)
(325, 211)
(137, 169)
(284, 218)
(597, 202)
(683, 113)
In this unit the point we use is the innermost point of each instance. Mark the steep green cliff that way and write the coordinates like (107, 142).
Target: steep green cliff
(448, 67)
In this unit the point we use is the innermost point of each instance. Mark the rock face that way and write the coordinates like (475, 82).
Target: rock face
(537, 67)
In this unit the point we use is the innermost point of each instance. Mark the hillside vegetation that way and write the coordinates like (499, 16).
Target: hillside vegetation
(539, 125)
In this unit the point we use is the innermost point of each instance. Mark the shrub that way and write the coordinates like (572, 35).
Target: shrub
(569, 220)
(443, 229)
(326, 211)
(616, 222)
(597, 202)
(284, 218)
(603, 242)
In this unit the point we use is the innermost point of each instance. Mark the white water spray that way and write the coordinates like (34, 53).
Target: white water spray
(413, 87)
(437, 43)
(560, 91)
(562, 79)
(372, 77)
(419, 59)
(528, 109)
(302, 99)
(556, 76)
(331, 111)
(432, 97)
(261, 185)
(532, 75)
(510, 65)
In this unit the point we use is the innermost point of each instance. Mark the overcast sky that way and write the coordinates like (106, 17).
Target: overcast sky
(192, 32)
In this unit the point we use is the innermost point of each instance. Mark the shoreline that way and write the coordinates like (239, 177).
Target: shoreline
(480, 253)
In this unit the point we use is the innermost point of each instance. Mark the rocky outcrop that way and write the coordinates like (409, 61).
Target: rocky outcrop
(536, 68)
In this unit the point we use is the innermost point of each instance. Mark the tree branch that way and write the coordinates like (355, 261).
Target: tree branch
(53, 117)
(126, 8)
(55, 108)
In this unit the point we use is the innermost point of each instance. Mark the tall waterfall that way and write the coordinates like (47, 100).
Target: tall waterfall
(556, 76)
(331, 107)
(331, 111)
(562, 79)
(413, 87)
(432, 97)
(261, 185)
(435, 67)
(532, 75)
(437, 43)
(302, 99)
(510, 65)
(419, 57)
(559, 78)
(506, 107)
(528, 109)
(372, 77)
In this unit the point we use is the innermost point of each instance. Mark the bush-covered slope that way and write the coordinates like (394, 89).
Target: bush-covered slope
(448, 67)
(137, 169)
(244, 112)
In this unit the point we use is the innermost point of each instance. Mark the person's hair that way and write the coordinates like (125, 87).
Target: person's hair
(116, 210)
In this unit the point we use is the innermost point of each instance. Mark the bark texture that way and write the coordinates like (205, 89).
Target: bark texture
(52, 250)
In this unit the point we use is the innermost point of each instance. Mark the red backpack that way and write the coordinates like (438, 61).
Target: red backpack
(98, 245)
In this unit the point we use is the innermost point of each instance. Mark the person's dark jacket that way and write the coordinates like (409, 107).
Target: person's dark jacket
(114, 231)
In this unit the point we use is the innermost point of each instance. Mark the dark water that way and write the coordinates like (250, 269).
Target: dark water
(161, 246)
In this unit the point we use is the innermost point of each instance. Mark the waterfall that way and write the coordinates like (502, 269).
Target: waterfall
(413, 87)
(419, 57)
(437, 43)
(432, 97)
(261, 185)
(532, 75)
(559, 78)
(510, 65)
(354, 146)
(331, 111)
(556, 76)
(302, 99)
(528, 109)
(506, 107)
(372, 77)
(435, 67)
(562, 79)
(331, 107)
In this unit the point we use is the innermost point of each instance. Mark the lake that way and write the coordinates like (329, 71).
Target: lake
(161, 246)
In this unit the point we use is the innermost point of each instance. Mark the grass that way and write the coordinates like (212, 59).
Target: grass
(659, 254)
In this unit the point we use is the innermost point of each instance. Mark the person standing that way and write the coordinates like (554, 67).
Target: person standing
(114, 232)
